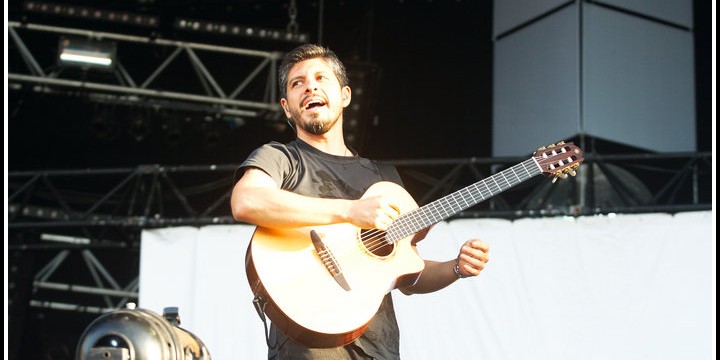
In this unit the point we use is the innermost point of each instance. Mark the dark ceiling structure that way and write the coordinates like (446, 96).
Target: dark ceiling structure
(448, 56)
(97, 155)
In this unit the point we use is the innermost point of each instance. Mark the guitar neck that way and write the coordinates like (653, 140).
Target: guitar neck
(447, 206)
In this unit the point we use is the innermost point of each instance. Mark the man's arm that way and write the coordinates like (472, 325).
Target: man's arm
(437, 275)
(257, 199)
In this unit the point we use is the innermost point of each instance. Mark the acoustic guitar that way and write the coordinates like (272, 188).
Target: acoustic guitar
(322, 285)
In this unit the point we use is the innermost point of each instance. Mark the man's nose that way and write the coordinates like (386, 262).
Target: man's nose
(310, 86)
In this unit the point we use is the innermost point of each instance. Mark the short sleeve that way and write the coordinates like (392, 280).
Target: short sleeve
(274, 158)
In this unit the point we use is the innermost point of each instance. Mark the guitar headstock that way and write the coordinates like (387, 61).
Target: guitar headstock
(559, 160)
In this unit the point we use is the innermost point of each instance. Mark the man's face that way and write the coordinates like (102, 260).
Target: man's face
(315, 99)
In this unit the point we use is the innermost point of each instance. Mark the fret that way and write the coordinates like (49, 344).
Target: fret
(473, 194)
(445, 207)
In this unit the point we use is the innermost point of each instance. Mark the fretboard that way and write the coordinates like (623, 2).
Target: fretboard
(447, 206)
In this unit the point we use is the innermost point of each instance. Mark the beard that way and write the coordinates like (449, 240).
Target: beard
(317, 126)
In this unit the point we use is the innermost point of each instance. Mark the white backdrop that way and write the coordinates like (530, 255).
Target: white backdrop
(601, 287)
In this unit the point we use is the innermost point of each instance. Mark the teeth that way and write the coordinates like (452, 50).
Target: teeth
(314, 103)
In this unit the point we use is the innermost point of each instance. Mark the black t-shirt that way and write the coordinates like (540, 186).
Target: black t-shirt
(305, 170)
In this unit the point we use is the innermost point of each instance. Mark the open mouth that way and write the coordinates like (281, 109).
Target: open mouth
(314, 104)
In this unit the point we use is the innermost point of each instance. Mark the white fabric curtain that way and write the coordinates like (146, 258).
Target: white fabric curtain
(600, 287)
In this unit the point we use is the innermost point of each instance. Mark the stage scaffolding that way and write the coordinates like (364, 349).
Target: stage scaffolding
(74, 214)
(149, 83)
(90, 220)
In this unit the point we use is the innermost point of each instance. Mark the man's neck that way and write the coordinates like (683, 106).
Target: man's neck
(331, 142)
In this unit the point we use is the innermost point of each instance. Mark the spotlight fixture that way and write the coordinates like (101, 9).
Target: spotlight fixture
(134, 333)
(91, 13)
(139, 127)
(87, 53)
(238, 30)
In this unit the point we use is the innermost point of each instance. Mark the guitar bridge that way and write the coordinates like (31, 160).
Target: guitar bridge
(328, 259)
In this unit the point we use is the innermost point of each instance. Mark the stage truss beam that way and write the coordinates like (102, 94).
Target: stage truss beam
(88, 202)
(130, 87)
(78, 209)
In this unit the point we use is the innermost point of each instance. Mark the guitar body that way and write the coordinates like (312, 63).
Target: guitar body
(304, 300)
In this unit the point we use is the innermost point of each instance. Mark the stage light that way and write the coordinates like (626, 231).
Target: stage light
(91, 13)
(139, 334)
(104, 122)
(172, 128)
(139, 127)
(86, 53)
(238, 30)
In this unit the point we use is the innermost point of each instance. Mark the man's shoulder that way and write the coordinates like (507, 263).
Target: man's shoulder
(275, 146)
(388, 172)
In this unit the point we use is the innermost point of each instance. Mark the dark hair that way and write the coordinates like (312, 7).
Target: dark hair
(306, 52)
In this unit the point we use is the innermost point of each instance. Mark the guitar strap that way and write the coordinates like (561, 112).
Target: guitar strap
(259, 304)
(388, 172)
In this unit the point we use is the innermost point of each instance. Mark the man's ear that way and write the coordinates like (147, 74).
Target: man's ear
(346, 95)
(288, 116)
(286, 108)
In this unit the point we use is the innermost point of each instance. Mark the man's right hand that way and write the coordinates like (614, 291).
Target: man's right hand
(374, 212)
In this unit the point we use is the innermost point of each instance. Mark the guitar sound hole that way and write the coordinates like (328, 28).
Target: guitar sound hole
(374, 242)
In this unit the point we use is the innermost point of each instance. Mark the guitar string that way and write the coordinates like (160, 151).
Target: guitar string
(378, 237)
(375, 239)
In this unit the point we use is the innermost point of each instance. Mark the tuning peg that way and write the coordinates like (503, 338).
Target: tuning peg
(554, 179)
(561, 143)
(551, 146)
(541, 148)
(564, 176)
(573, 173)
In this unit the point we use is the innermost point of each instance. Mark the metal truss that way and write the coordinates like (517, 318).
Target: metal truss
(150, 196)
(76, 275)
(159, 75)
(143, 197)
(619, 183)
(91, 221)
(103, 285)
(89, 211)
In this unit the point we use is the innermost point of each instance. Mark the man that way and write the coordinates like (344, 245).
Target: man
(317, 180)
